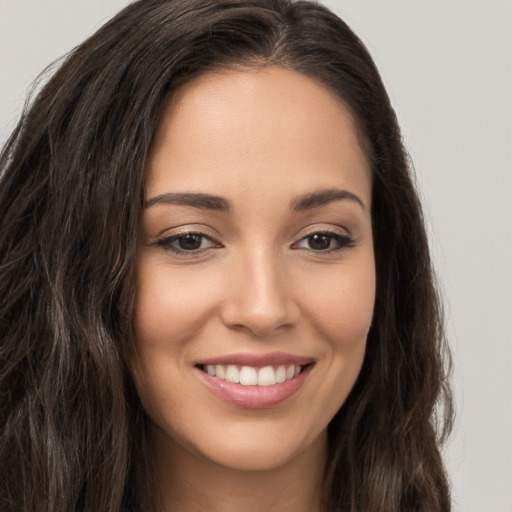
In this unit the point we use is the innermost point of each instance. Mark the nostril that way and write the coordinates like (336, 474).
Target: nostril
(260, 323)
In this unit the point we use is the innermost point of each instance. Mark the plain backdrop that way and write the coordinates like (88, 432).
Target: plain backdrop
(447, 65)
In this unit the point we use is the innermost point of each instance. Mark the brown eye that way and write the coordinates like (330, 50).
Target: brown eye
(186, 243)
(319, 242)
(190, 242)
(325, 242)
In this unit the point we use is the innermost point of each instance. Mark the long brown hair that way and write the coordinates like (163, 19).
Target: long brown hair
(73, 433)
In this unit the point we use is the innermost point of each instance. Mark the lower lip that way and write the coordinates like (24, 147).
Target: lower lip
(255, 397)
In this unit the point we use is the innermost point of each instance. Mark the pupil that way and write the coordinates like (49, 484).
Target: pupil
(319, 242)
(190, 242)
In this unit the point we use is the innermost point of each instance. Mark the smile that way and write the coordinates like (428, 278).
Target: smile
(251, 376)
(250, 381)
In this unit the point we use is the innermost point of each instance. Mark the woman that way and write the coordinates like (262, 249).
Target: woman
(216, 285)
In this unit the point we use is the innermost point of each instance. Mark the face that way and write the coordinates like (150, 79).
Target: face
(255, 271)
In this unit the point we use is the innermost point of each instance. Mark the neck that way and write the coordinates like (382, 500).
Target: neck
(191, 483)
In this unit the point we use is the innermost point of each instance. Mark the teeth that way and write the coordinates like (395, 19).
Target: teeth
(219, 371)
(232, 374)
(249, 376)
(280, 374)
(266, 376)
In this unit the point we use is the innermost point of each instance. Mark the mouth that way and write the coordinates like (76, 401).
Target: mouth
(255, 382)
(253, 376)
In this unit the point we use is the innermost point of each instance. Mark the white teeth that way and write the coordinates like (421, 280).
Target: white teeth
(232, 374)
(219, 371)
(249, 376)
(280, 374)
(266, 376)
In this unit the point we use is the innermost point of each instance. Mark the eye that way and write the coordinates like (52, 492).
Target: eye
(186, 242)
(325, 241)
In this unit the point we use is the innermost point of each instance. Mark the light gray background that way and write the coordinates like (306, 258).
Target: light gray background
(448, 68)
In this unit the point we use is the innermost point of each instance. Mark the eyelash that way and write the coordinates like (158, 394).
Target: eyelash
(344, 241)
(166, 242)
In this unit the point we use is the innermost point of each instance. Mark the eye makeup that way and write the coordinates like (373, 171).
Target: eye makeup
(195, 242)
(325, 241)
(187, 242)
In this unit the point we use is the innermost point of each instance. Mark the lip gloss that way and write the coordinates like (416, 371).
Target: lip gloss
(254, 397)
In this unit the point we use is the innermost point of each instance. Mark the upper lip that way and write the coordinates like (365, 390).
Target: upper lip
(257, 360)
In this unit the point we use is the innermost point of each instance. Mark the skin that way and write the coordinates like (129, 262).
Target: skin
(260, 139)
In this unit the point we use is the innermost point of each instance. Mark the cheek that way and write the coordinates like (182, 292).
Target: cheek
(340, 309)
(342, 302)
(170, 305)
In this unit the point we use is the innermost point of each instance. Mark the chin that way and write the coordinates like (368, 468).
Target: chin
(252, 447)
(256, 456)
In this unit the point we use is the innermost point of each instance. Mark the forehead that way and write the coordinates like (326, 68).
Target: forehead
(269, 127)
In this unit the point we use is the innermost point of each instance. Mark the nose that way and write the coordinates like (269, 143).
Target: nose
(259, 297)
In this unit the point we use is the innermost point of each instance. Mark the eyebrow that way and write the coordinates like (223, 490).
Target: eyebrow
(219, 204)
(202, 201)
(322, 198)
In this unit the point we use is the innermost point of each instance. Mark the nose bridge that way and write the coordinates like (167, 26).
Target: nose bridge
(259, 297)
